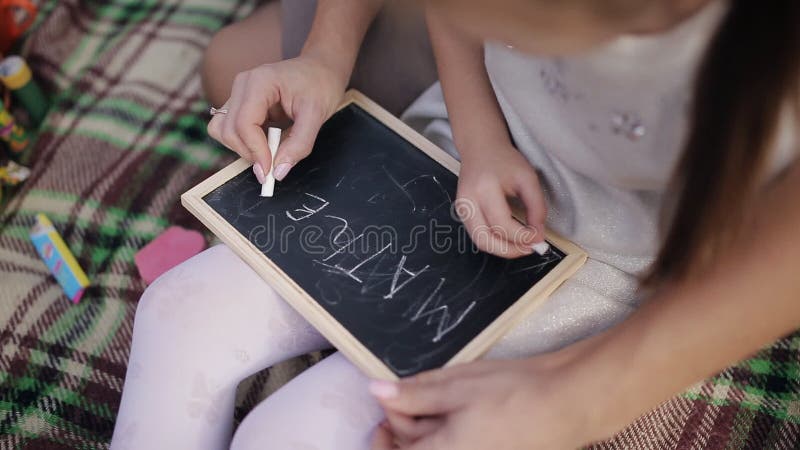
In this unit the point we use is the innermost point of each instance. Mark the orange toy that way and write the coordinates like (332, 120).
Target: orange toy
(16, 16)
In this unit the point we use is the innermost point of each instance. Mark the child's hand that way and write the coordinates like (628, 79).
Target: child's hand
(488, 179)
(303, 89)
(504, 404)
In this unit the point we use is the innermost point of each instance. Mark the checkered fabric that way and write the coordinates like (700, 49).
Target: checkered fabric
(125, 137)
(752, 405)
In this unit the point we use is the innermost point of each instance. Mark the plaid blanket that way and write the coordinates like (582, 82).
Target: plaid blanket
(125, 137)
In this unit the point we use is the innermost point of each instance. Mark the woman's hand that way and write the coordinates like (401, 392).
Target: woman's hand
(513, 404)
(487, 181)
(304, 90)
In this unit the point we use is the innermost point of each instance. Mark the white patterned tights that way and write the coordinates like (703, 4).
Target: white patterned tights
(202, 328)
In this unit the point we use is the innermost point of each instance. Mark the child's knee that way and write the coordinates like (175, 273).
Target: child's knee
(187, 290)
(164, 299)
(327, 406)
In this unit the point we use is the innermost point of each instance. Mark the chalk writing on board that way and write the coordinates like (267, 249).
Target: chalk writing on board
(395, 288)
(445, 325)
(336, 268)
(345, 227)
(431, 308)
(402, 189)
(547, 259)
(306, 211)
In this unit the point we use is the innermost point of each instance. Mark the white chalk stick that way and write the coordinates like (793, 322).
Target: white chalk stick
(541, 247)
(273, 140)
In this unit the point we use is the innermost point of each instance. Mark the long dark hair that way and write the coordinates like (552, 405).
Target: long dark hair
(750, 75)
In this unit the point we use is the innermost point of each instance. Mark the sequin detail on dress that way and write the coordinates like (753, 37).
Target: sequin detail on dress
(628, 125)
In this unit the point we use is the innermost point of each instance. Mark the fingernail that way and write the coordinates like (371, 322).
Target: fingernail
(383, 389)
(259, 173)
(282, 170)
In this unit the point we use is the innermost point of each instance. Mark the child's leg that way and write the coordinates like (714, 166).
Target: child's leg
(199, 330)
(327, 407)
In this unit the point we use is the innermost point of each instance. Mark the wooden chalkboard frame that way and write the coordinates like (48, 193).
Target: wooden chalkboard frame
(321, 319)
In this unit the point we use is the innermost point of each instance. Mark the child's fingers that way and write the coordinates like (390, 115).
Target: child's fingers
(214, 127)
(498, 216)
(230, 136)
(251, 116)
(475, 223)
(535, 207)
(420, 398)
(407, 429)
(308, 119)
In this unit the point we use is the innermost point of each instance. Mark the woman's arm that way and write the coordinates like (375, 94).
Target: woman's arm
(690, 331)
(491, 168)
(590, 390)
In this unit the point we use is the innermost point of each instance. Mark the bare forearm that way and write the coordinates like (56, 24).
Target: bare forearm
(338, 31)
(696, 328)
(475, 116)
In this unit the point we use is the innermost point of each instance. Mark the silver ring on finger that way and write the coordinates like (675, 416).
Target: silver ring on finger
(214, 111)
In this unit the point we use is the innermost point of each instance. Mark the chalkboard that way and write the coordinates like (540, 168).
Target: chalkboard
(362, 238)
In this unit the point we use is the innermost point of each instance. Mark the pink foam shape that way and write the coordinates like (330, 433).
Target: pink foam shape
(170, 248)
